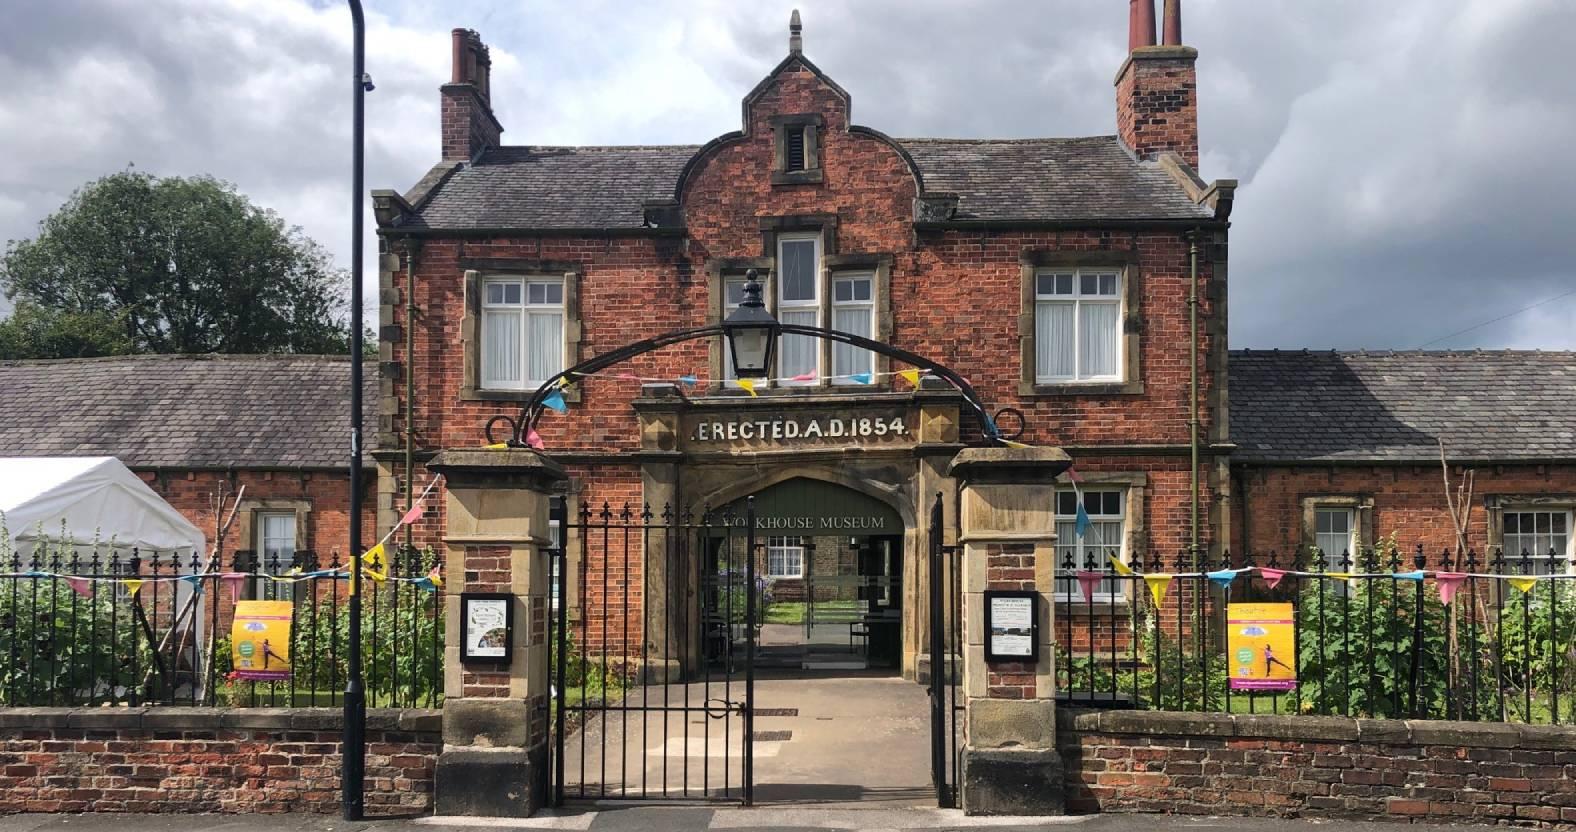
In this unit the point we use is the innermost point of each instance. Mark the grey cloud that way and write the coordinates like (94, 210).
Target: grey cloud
(1402, 162)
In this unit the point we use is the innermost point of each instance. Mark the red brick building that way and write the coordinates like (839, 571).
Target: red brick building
(1338, 451)
(1057, 275)
(198, 428)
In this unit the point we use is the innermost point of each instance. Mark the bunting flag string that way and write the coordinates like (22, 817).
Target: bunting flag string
(913, 376)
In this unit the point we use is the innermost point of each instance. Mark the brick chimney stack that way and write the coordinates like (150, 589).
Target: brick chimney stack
(469, 127)
(1157, 87)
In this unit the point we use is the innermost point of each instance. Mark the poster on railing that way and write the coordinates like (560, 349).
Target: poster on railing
(260, 640)
(1262, 646)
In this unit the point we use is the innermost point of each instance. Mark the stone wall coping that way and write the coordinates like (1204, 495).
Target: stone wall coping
(1073, 722)
(414, 720)
(996, 464)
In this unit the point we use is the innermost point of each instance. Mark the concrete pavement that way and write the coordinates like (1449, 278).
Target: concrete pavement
(659, 819)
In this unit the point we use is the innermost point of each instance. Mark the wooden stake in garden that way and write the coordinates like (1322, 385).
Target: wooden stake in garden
(1459, 501)
(191, 607)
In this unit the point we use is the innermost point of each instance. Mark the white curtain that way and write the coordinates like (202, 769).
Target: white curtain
(500, 348)
(1053, 338)
(1099, 339)
(798, 352)
(847, 358)
(545, 350)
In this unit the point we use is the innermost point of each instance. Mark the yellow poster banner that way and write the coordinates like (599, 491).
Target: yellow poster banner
(260, 640)
(1261, 646)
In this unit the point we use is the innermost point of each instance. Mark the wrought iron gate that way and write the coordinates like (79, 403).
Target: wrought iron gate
(946, 658)
(653, 633)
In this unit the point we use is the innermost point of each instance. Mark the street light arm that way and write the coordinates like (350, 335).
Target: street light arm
(531, 413)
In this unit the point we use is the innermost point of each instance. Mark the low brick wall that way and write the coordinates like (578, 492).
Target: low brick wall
(1279, 766)
(208, 760)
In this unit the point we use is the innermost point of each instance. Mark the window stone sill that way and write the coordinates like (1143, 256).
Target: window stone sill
(797, 177)
(1101, 388)
(471, 394)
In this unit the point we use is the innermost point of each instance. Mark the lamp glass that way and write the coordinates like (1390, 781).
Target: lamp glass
(751, 348)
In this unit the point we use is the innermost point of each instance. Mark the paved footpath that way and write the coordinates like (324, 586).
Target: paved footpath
(661, 819)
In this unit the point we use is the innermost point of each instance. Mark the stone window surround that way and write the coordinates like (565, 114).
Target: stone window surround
(812, 124)
(1497, 504)
(879, 265)
(470, 336)
(1361, 504)
(1135, 539)
(247, 527)
(1132, 382)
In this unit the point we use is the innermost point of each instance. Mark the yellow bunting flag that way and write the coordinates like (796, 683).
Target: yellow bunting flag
(1011, 444)
(747, 386)
(910, 376)
(376, 564)
(497, 446)
(1158, 584)
(1342, 576)
(1523, 584)
(132, 585)
(1121, 568)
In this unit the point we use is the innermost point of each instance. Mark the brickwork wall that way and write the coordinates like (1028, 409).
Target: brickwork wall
(1331, 767)
(203, 760)
(1407, 499)
(1157, 107)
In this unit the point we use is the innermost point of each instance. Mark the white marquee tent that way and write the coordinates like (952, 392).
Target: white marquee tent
(97, 497)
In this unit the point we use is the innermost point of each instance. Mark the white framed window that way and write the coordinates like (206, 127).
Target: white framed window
(1078, 325)
(1335, 534)
(1536, 533)
(853, 312)
(1106, 537)
(799, 302)
(276, 549)
(784, 557)
(276, 539)
(522, 331)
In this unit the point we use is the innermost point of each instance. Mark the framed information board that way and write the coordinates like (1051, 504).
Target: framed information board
(1012, 627)
(488, 619)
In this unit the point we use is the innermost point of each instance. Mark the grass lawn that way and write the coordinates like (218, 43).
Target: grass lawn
(793, 612)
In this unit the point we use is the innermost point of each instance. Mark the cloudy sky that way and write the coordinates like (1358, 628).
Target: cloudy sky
(1404, 164)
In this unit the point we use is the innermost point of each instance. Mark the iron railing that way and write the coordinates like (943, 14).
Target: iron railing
(1374, 635)
(100, 626)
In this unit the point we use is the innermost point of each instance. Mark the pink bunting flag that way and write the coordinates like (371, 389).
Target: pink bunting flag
(233, 581)
(810, 376)
(1448, 583)
(1272, 577)
(1087, 581)
(629, 377)
(413, 515)
(82, 586)
(1072, 474)
(534, 439)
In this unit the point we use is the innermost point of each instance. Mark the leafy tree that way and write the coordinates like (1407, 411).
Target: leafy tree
(174, 265)
(33, 331)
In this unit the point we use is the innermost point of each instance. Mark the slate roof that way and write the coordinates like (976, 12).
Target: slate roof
(1050, 179)
(556, 187)
(179, 411)
(1090, 178)
(1397, 406)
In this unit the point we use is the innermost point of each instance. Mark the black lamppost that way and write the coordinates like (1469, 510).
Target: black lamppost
(353, 745)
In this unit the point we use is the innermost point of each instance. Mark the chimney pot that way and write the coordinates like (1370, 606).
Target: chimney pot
(457, 76)
(795, 34)
(1172, 35)
(1140, 23)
